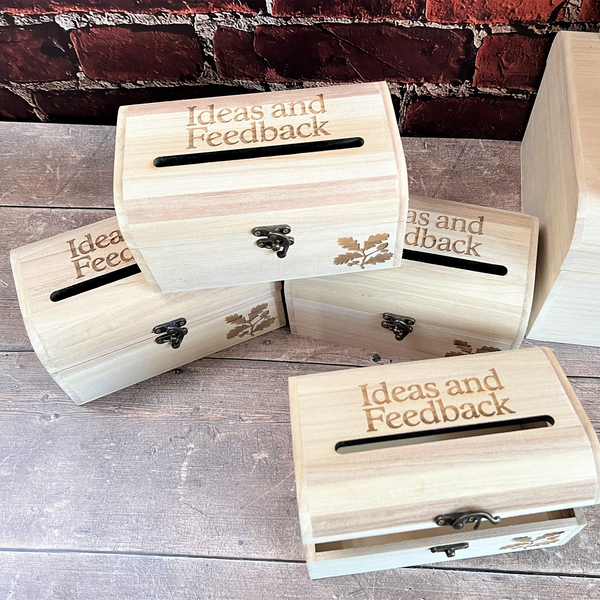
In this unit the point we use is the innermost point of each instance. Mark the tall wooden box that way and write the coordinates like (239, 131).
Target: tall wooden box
(560, 166)
(465, 286)
(97, 326)
(260, 187)
(428, 461)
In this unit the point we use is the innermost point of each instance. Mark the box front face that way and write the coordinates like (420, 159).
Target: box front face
(228, 166)
(92, 317)
(493, 432)
(464, 286)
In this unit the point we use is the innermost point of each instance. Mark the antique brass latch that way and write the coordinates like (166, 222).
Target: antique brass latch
(275, 237)
(172, 332)
(459, 520)
(450, 549)
(400, 326)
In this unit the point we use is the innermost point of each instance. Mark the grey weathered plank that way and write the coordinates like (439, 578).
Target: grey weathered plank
(72, 166)
(197, 462)
(28, 576)
(56, 165)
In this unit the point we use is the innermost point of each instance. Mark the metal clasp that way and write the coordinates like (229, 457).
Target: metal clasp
(276, 238)
(172, 332)
(459, 520)
(400, 326)
(450, 549)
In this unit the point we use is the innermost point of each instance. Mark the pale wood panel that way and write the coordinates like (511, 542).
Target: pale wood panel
(73, 167)
(121, 475)
(27, 575)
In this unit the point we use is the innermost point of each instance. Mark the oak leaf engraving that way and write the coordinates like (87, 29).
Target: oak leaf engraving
(466, 348)
(359, 254)
(257, 320)
(527, 542)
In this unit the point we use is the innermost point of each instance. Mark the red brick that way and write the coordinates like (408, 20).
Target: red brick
(511, 61)
(14, 108)
(134, 6)
(483, 117)
(99, 107)
(39, 53)
(590, 11)
(352, 9)
(495, 11)
(235, 56)
(338, 53)
(125, 54)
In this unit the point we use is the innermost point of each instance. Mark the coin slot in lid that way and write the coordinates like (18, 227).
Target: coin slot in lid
(439, 434)
(454, 262)
(198, 158)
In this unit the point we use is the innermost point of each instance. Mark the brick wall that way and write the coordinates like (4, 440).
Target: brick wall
(457, 68)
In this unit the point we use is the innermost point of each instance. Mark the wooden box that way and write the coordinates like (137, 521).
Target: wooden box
(260, 187)
(560, 166)
(465, 286)
(428, 461)
(97, 326)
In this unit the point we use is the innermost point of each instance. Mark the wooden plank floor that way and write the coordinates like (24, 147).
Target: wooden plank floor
(182, 487)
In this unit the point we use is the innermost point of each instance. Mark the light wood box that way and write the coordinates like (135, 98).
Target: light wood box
(395, 464)
(196, 181)
(450, 308)
(94, 321)
(560, 161)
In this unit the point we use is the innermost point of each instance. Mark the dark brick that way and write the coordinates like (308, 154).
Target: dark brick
(475, 117)
(39, 53)
(100, 107)
(352, 9)
(495, 11)
(338, 53)
(511, 61)
(236, 58)
(134, 6)
(590, 11)
(14, 108)
(126, 54)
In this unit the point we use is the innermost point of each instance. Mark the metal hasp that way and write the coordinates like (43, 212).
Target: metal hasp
(400, 326)
(276, 238)
(172, 332)
(450, 549)
(459, 520)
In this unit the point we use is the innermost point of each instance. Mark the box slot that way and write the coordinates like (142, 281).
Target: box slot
(94, 284)
(454, 263)
(197, 158)
(437, 435)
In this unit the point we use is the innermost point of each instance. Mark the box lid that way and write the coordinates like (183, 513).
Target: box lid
(195, 178)
(499, 432)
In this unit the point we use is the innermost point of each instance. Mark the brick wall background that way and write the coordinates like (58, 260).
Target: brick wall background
(457, 68)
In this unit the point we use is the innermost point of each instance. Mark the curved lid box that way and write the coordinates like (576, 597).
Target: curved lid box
(260, 187)
(392, 449)
(560, 184)
(97, 326)
(465, 286)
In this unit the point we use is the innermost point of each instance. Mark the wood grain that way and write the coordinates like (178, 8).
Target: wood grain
(194, 462)
(28, 575)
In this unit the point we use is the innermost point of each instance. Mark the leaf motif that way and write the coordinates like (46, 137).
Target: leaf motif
(464, 347)
(509, 547)
(454, 354)
(523, 540)
(264, 324)
(485, 349)
(353, 263)
(256, 311)
(373, 240)
(382, 247)
(378, 258)
(235, 319)
(342, 259)
(349, 243)
(238, 331)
